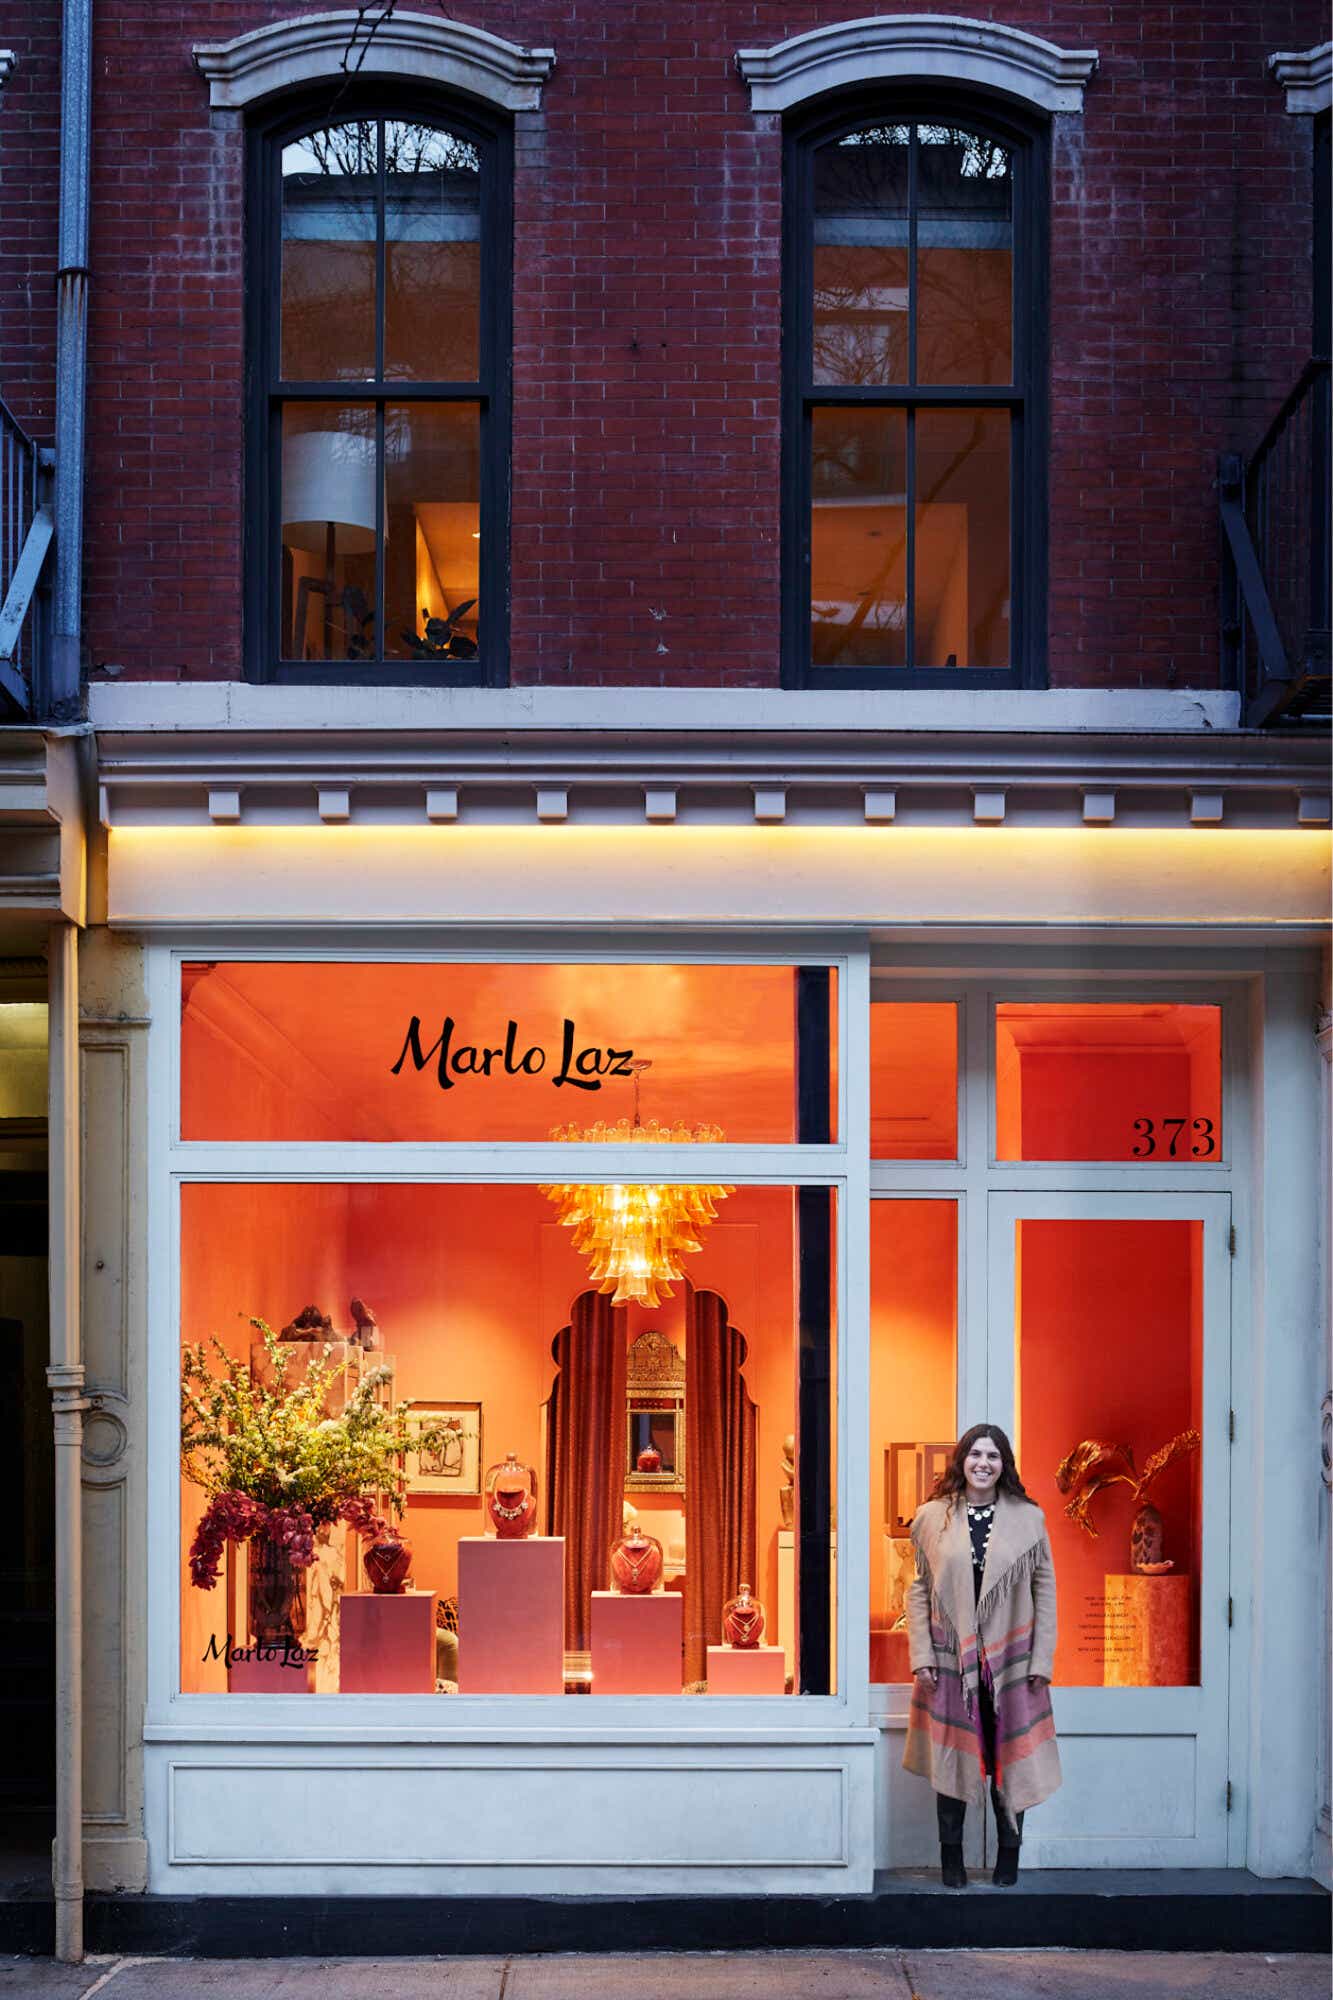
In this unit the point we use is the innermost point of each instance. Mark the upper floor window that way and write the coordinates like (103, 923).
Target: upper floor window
(915, 486)
(379, 418)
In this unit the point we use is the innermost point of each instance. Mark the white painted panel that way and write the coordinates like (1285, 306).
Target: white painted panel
(515, 1812)
(1118, 1787)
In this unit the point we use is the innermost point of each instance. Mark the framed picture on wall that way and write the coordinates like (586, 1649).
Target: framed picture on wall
(453, 1464)
(910, 1471)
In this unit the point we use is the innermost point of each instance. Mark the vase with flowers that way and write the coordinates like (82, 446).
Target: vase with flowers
(277, 1467)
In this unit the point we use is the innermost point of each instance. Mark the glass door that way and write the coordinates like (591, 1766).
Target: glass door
(1109, 1365)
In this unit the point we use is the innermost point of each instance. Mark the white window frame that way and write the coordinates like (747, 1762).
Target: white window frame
(395, 1720)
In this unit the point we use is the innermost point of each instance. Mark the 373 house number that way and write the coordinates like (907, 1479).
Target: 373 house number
(1172, 1137)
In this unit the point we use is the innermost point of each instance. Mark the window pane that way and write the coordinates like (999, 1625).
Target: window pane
(964, 267)
(328, 532)
(1108, 1080)
(482, 1052)
(432, 564)
(858, 538)
(1110, 1356)
(530, 1357)
(913, 1080)
(860, 258)
(913, 1392)
(962, 538)
(432, 254)
(328, 255)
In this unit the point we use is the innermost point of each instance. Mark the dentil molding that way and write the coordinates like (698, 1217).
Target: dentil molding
(892, 47)
(419, 48)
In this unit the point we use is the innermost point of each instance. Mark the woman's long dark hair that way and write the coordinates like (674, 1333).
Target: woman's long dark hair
(953, 1481)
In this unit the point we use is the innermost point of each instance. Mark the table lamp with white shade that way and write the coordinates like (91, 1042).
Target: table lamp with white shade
(328, 507)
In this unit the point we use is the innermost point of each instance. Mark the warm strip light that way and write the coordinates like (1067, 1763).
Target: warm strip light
(635, 1234)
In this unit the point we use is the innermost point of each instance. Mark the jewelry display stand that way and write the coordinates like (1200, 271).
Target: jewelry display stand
(511, 1615)
(1146, 1630)
(636, 1642)
(388, 1642)
(746, 1670)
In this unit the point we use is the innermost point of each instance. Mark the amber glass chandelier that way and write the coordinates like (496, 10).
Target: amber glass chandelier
(634, 1235)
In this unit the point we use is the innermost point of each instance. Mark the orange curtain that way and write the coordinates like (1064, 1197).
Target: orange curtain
(721, 1433)
(586, 1452)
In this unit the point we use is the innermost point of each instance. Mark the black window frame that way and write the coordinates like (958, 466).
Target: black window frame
(1028, 138)
(265, 391)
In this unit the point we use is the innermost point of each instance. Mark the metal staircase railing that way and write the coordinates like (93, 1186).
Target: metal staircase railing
(1275, 510)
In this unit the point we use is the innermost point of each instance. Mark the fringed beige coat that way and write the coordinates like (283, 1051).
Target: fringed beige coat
(997, 1642)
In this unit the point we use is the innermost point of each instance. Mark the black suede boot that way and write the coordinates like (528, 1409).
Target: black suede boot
(1006, 1868)
(1009, 1834)
(952, 1872)
(949, 1814)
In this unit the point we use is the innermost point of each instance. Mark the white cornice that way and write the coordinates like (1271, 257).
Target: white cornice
(697, 769)
(8, 64)
(901, 47)
(1307, 77)
(420, 48)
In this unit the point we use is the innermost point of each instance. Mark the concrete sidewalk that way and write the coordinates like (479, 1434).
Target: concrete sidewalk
(824, 1975)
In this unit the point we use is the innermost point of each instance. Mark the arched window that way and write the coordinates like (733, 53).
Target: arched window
(915, 445)
(379, 365)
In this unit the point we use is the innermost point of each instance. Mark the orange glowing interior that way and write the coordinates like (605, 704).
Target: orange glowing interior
(470, 1284)
(1108, 1081)
(913, 1391)
(279, 1051)
(913, 1080)
(1110, 1347)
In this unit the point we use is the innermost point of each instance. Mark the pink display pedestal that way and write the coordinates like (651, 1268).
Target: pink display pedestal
(746, 1670)
(388, 1642)
(636, 1643)
(1146, 1631)
(511, 1615)
(269, 1676)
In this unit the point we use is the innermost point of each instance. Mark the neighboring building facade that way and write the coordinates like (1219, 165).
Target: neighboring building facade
(783, 547)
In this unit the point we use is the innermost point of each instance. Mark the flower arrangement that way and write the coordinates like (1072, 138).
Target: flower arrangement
(274, 1464)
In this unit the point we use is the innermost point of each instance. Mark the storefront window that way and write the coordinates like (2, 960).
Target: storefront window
(598, 1446)
(506, 1052)
(913, 1396)
(1108, 1080)
(1109, 1363)
(913, 1080)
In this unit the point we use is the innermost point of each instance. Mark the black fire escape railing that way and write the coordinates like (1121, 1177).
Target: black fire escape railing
(1275, 562)
(27, 525)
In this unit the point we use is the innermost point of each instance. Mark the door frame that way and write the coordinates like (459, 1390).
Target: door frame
(1203, 1712)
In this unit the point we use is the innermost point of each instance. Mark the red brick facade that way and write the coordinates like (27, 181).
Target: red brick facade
(645, 545)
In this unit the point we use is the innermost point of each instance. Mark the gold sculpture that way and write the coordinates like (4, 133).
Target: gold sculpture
(1095, 1464)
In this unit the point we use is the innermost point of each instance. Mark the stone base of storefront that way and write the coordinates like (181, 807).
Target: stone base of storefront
(1188, 1910)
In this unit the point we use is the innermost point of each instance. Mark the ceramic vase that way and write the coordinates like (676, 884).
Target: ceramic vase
(388, 1564)
(743, 1620)
(636, 1564)
(511, 1499)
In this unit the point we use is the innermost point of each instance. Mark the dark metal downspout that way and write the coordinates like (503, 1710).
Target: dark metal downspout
(62, 702)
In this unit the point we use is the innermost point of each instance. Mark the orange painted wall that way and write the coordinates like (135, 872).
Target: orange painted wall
(306, 1051)
(1071, 1080)
(913, 1345)
(247, 1250)
(1110, 1346)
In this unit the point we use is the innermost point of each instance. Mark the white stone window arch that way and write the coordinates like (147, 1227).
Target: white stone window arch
(424, 49)
(987, 55)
